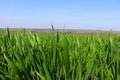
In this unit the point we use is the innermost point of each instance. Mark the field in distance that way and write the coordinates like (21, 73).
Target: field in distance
(74, 31)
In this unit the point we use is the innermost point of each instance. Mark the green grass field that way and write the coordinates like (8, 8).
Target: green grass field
(55, 56)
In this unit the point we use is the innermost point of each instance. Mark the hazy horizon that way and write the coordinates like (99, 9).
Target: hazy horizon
(63, 14)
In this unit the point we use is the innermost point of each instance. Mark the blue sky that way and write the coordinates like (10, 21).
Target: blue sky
(68, 14)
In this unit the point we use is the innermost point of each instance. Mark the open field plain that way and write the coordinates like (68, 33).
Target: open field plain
(40, 54)
(74, 31)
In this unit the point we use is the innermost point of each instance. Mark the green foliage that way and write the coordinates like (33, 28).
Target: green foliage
(55, 56)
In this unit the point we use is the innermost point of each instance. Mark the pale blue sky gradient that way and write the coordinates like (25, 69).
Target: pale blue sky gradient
(71, 14)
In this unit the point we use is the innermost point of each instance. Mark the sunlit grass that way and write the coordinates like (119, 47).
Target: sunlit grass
(33, 56)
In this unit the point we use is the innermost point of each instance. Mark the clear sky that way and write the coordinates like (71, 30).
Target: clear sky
(68, 14)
